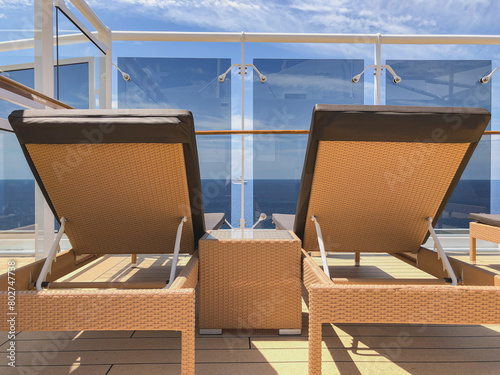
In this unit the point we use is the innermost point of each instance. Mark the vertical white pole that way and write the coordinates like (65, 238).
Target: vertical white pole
(105, 73)
(44, 82)
(378, 70)
(242, 219)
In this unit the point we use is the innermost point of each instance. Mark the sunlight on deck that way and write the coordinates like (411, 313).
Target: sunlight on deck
(347, 348)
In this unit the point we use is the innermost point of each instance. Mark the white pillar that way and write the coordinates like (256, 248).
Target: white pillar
(105, 72)
(44, 82)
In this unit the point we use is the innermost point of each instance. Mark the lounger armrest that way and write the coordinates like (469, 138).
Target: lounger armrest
(188, 278)
(284, 221)
(312, 273)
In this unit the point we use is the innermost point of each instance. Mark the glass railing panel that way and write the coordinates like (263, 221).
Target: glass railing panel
(189, 84)
(17, 201)
(75, 92)
(17, 239)
(451, 83)
(16, 45)
(76, 65)
(18, 223)
(285, 102)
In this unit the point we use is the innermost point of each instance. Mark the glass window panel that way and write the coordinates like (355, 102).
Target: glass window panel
(17, 185)
(74, 84)
(190, 84)
(451, 83)
(76, 78)
(285, 102)
(74, 88)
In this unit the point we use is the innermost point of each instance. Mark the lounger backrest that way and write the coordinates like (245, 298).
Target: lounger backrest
(123, 179)
(373, 174)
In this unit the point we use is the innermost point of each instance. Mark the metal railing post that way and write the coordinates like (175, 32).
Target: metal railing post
(378, 70)
(242, 72)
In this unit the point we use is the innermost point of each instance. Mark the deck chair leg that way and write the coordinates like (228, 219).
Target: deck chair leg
(315, 340)
(133, 261)
(187, 352)
(177, 247)
(472, 250)
(51, 256)
(357, 259)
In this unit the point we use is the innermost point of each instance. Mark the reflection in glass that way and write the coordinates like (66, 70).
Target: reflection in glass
(189, 84)
(450, 83)
(71, 59)
(17, 186)
(286, 101)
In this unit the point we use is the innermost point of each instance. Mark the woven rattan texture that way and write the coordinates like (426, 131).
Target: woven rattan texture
(405, 304)
(396, 304)
(375, 196)
(250, 284)
(75, 310)
(188, 278)
(485, 232)
(311, 273)
(118, 198)
(116, 309)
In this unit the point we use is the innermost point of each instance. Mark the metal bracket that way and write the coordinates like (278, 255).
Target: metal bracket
(262, 77)
(441, 254)
(47, 266)
(395, 77)
(176, 252)
(321, 246)
(262, 217)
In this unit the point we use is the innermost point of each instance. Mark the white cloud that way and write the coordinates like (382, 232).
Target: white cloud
(322, 16)
(14, 4)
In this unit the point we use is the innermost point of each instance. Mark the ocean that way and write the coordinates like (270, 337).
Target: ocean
(269, 196)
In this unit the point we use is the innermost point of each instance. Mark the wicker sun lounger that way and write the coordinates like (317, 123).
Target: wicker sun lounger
(119, 182)
(376, 179)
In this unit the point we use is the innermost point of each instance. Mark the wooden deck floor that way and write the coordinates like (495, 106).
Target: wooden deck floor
(347, 349)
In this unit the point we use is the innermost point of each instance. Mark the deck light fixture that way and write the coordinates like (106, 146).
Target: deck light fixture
(487, 77)
(396, 79)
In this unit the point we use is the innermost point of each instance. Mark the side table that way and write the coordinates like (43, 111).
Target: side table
(250, 279)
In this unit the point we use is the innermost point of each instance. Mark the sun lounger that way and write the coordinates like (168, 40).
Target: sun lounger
(118, 182)
(376, 179)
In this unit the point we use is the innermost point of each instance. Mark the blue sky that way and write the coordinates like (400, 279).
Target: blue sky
(334, 16)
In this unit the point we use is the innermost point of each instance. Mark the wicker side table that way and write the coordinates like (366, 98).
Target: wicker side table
(250, 279)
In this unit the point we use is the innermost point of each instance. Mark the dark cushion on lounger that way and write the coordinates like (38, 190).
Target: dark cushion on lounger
(214, 220)
(284, 221)
(373, 174)
(123, 179)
